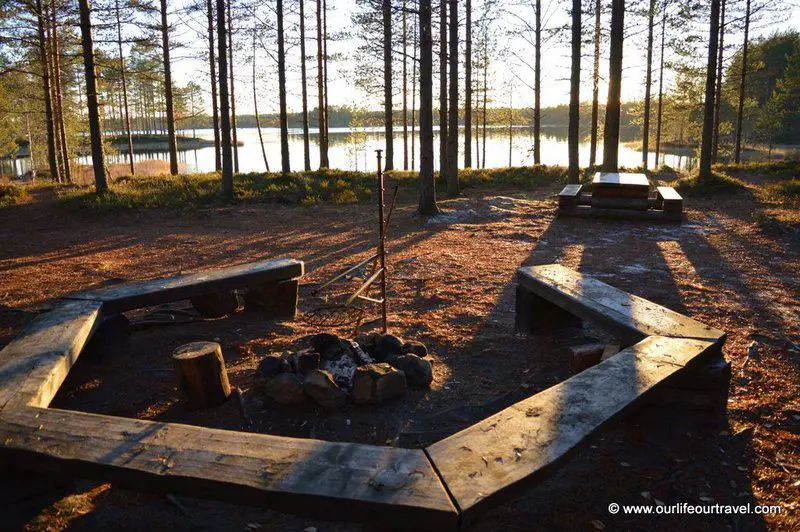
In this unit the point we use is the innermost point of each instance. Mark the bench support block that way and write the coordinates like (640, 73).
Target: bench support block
(278, 299)
(535, 313)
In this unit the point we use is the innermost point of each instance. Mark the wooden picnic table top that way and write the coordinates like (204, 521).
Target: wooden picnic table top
(612, 179)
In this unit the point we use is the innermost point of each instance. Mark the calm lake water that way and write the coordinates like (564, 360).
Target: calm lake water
(355, 150)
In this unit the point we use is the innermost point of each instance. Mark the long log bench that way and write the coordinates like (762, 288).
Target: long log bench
(442, 487)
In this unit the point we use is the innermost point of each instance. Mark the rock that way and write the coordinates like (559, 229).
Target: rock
(341, 369)
(415, 348)
(368, 341)
(271, 365)
(305, 361)
(360, 356)
(387, 346)
(320, 386)
(586, 356)
(376, 383)
(419, 371)
(286, 389)
(320, 342)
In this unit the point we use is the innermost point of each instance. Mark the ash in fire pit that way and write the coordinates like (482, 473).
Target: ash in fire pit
(328, 370)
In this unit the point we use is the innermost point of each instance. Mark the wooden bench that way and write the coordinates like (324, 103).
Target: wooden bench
(669, 200)
(568, 197)
(279, 277)
(521, 445)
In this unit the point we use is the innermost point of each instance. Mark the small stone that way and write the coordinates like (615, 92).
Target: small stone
(415, 348)
(305, 361)
(387, 346)
(368, 341)
(285, 389)
(376, 383)
(322, 341)
(271, 365)
(419, 371)
(320, 386)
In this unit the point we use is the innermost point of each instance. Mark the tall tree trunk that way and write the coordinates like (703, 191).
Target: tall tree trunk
(708, 107)
(233, 90)
(651, 13)
(742, 83)
(323, 142)
(48, 21)
(95, 132)
(718, 91)
(285, 164)
(485, 97)
(123, 75)
(427, 185)
(511, 124)
(405, 88)
(387, 83)
(173, 147)
(661, 81)
(574, 93)
(452, 127)
(443, 168)
(57, 78)
(48, 100)
(255, 99)
(304, 89)
(325, 70)
(414, 99)
(595, 85)
(537, 86)
(224, 104)
(468, 88)
(214, 100)
(611, 128)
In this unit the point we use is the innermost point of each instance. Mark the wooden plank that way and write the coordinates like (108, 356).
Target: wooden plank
(36, 362)
(308, 477)
(569, 195)
(623, 179)
(158, 291)
(589, 298)
(519, 446)
(626, 214)
(669, 194)
(638, 204)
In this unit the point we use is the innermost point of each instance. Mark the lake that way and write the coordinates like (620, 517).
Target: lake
(355, 150)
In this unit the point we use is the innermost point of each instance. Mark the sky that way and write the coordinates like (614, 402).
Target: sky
(510, 78)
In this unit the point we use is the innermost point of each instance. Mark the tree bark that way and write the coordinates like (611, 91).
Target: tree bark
(125, 91)
(595, 85)
(285, 164)
(537, 85)
(48, 28)
(233, 90)
(405, 88)
(611, 128)
(325, 70)
(708, 107)
(387, 84)
(95, 132)
(48, 100)
(742, 82)
(214, 99)
(414, 99)
(255, 102)
(202, 378)
(443, 168)
(173, 147)
(718, 92)
(304, 89)
(323, 142)
(485, 97)
(224, 104)
(62, 131)
(648, 84)
(452, 127)
(574, 93)
(468, 87)
(427, 184)
(661, 81)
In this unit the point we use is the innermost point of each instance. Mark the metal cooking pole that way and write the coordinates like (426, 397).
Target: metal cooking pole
(382, 242)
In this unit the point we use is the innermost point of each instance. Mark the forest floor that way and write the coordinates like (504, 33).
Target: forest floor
(732, 264)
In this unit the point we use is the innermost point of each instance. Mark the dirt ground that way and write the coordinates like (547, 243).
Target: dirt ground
(452, 288)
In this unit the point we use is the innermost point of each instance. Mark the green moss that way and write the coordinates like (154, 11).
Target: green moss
(717, 183)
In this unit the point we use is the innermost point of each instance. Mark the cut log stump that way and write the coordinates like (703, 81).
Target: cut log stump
(202, 378)
(278, 299)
